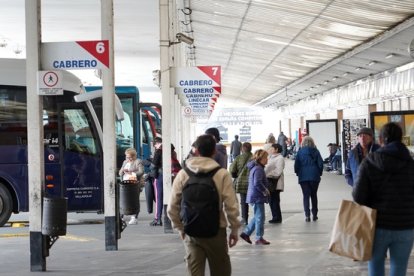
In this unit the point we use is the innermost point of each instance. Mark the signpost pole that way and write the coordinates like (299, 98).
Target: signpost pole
(109, 142)
(165, 92)
(34, 137)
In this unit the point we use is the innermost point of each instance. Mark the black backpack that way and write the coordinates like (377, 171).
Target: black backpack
(200, 206)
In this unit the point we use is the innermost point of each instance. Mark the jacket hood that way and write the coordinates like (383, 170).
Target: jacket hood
(390, 158)
(201, 164)
(251, 164)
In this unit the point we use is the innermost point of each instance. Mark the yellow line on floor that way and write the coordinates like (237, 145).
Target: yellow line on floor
(66, 237)
(14, 235)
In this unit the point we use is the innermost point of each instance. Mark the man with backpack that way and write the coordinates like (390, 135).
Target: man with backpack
(202, 204)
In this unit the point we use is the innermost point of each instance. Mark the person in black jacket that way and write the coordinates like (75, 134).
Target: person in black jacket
(386, 183)
(156, 173)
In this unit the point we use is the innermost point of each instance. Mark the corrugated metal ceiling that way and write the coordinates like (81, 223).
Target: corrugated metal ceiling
(271, 47)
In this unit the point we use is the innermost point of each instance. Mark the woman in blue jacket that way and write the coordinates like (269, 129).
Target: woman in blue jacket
(257, 195)
(308, 168)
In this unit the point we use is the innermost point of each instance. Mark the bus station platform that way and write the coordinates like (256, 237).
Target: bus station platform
(297, 247)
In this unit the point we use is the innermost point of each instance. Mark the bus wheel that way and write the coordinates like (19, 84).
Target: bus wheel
(6, 205)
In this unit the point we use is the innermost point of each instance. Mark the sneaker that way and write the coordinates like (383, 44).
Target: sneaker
(307, 219)
(133, 220)
(262, 241)
(156, 222)
(245, 237)
(275, 221)
(315, 218)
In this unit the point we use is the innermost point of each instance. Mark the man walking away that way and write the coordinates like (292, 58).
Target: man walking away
(235, 148)
(281, 140)
(214, 247)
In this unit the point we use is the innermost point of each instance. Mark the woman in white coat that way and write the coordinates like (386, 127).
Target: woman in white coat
(274, 173)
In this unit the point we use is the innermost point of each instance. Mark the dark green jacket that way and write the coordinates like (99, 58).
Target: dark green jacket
(240, 172)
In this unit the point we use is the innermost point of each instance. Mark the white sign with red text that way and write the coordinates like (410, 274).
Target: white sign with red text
(75, 55)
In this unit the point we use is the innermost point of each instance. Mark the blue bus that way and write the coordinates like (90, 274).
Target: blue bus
(72, 145)
(141, 123)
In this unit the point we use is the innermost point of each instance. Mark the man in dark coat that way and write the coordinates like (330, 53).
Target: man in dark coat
(365, 146)
(386, 183)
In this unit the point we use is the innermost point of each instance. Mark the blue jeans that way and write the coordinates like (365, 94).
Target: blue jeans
(336, 162)
(400, 243)
(309, 190)
(257, 222)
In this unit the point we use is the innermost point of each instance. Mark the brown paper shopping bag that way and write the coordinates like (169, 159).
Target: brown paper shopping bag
(353, 231)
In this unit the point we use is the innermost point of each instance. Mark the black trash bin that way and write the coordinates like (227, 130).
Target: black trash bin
(54, 218)
(129, 197)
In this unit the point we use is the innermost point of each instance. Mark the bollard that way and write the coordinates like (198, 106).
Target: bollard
(54, 218)
(128, 197)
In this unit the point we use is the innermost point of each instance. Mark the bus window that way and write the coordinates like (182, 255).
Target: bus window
(78, 135)
(12, 118)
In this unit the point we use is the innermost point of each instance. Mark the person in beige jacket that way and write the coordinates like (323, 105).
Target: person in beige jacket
(214, 249)
(132, 169)
(274, 173)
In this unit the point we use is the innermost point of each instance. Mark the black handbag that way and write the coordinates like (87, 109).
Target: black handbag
(272, 184)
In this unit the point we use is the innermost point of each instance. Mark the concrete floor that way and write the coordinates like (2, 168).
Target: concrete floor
(297, 247)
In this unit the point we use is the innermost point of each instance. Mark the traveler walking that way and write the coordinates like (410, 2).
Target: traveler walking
(213, 247)
(257, 194)
(385, 183)
(240, 173)
(281, 140)
(235, 148)
(309, 167)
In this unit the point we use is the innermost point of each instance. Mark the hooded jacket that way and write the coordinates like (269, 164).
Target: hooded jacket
(221, 155)
(224, 185)
(386, 183)
(308, 165)
(257, 191)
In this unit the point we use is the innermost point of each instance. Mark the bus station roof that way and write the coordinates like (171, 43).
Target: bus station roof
(272, 52)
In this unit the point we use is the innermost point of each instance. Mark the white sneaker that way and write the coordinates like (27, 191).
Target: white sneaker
(133, 220)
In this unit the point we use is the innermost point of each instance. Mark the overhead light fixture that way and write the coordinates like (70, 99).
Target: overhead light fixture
(325, 82)
(334, 78)
(358, 68)
(390, 56)
(182, 38)
(345, 74)
(372, 63)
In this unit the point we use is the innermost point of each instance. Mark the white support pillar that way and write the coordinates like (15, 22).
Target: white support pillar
(166, 100)
(109, 142)
(35, 136)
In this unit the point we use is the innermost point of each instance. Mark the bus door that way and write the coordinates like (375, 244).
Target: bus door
(82, 177)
